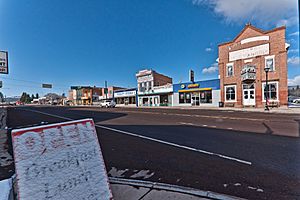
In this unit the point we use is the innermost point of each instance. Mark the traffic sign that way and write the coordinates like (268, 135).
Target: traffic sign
(46, 85)
(3, 62)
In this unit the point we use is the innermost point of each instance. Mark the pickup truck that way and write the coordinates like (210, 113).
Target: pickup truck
(108, 104)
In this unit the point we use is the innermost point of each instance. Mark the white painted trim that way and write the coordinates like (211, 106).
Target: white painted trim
(226, 86)
(248, 61)
(254, 39)
(268, 57)
(230, 64)
(263, 88)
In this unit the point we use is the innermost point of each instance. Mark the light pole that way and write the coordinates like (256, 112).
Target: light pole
(267, 69)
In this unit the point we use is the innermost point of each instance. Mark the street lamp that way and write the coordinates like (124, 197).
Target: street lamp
(267, 69)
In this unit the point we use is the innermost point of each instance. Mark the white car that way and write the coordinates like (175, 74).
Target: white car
(108, 104)
(296, 101)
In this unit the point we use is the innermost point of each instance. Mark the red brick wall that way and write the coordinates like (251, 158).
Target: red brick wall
(277, 48)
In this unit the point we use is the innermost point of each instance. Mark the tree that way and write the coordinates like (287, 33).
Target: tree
(37, 96)
(25, 98)
(32, 97)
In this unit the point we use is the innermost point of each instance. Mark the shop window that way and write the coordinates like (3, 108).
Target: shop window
(271, 92)
(184, 97)
(229, 69)
(230, 93)
(270, 62)
(206, 96)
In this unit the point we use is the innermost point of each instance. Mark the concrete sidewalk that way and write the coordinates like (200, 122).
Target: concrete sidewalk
(283, 110)
(128, 189)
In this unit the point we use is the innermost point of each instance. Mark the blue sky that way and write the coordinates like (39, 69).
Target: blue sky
(67, 42)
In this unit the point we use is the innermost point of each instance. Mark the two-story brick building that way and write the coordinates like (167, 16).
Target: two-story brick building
(242, 63)
(154, 89)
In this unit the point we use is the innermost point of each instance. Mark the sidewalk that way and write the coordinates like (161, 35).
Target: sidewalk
(128, 189)
(285, 110)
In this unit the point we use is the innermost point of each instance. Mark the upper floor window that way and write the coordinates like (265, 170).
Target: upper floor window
(270, 62)
(229, 69)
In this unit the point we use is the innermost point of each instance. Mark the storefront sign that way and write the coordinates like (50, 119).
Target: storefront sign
(125, 94)
(249, 52)
(146, 78)
(61, 161)
(196, 85)
(3, 62)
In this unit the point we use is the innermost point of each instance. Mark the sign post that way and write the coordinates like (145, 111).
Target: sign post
(192, 77)
(60, 162)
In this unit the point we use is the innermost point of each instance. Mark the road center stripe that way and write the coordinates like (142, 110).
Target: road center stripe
(152, 139)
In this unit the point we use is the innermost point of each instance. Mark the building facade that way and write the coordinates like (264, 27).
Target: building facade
(242, 64)
(84, 95)
(200, 93)
(154, 89)
(108, 93)
(126, 97)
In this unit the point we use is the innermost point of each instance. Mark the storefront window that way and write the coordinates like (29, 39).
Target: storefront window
(206, 96)
(271, 91)
(184, 97)
(230, 93)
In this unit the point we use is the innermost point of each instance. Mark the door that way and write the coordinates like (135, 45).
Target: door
(249, 97)
(196, 99)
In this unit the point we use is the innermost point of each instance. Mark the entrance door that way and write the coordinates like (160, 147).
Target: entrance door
(196, 99)
(248, 95)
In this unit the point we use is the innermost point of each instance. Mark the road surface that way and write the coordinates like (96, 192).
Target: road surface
(233, 153)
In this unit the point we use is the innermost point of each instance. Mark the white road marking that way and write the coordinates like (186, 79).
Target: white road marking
(152, 139)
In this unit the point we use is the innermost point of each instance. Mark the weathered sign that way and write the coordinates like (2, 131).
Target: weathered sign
(249, 52)
(60, 161)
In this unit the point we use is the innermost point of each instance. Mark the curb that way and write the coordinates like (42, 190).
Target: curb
(172, 188)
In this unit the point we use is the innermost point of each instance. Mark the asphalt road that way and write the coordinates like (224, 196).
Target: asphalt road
(233, 153)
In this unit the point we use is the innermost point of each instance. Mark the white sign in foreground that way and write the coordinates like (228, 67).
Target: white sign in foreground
(60, 162)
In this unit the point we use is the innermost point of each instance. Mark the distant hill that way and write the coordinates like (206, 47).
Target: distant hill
(12, 99)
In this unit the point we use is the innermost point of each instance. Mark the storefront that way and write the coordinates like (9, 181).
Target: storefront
(201, 93)
(158, 96)
(126, 97)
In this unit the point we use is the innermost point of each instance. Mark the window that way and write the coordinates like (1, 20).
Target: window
(184, 97)
(271, 92)
(270, 62)
(230, 93)
(229, 69)
(206, 96)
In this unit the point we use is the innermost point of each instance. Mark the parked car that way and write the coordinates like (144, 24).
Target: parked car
(296, 101)
(108, 104)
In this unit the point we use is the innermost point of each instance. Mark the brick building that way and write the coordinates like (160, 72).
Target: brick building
(154, 89)
(242, 64)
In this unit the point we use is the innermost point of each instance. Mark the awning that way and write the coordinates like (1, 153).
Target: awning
(195, 90)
